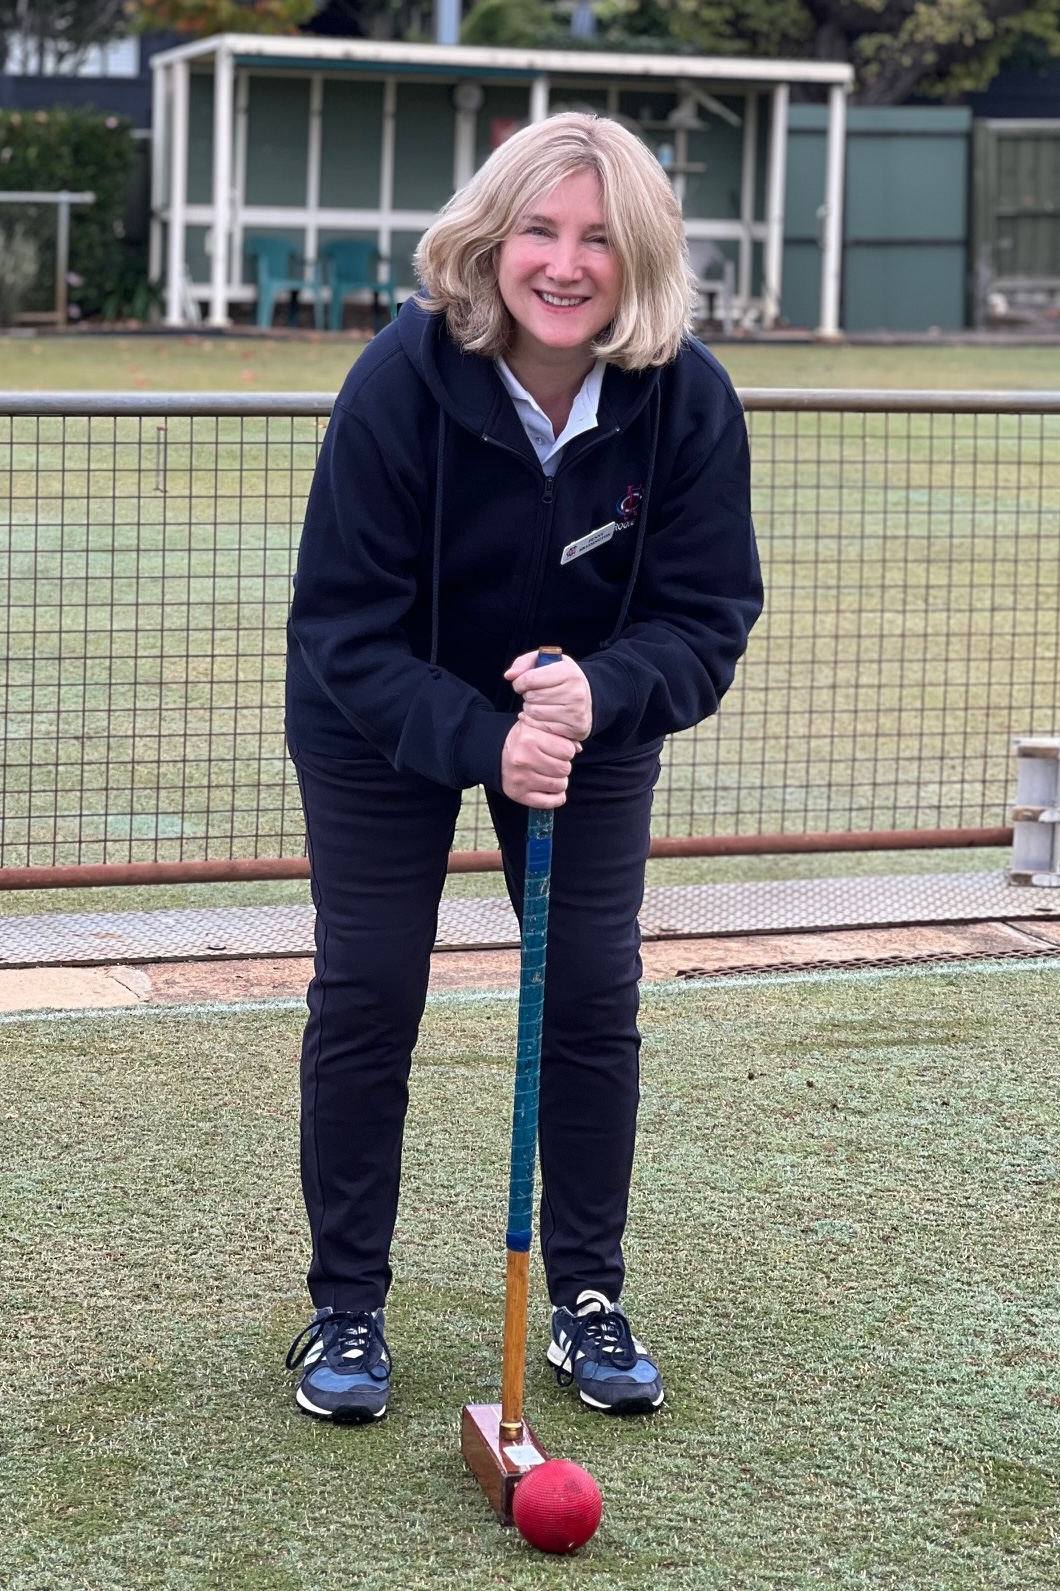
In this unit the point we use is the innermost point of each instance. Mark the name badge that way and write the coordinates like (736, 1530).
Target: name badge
(595, 538)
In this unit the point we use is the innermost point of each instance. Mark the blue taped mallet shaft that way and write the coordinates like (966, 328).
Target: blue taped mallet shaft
(525, 1105)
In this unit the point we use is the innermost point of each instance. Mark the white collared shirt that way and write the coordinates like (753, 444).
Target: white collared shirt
(536, 423)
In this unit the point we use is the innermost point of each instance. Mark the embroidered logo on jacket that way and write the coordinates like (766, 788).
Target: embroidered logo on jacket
(627, 506)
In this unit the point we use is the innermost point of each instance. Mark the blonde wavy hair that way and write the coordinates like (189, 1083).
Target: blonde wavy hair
(456, 258)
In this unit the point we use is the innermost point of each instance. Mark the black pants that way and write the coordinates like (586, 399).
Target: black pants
(378, 843)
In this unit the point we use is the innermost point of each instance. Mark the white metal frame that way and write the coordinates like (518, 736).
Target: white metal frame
(227, 217)
(62, 199)
(832, 240)
(772, 262)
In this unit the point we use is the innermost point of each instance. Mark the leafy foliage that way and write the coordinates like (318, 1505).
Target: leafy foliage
(81, 150)
(899, 48)
(642, 25)
(519, 24)
(132, 295)
(938, 48)
(204, 17)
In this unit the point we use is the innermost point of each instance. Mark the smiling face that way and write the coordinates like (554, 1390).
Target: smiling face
(557, 273)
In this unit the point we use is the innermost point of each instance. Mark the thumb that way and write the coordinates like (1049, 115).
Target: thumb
(524, 661)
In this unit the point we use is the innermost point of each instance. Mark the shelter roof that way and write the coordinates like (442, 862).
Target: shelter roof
(311, 53)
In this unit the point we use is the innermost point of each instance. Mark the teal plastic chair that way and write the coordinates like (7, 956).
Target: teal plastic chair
(352, 265)
(279, 269)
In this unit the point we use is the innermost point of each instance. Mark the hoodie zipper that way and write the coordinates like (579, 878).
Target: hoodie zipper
(537, 567)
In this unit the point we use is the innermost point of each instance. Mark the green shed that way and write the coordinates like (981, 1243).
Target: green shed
(905, 234)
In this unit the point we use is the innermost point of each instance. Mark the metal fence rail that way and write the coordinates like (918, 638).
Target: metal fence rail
(911, 544)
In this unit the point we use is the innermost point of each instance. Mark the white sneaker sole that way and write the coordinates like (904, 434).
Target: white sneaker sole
(343, 1417)
(561, 1361)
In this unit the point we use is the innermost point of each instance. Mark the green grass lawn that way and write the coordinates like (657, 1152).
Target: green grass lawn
(122, 363)
(843, 1248)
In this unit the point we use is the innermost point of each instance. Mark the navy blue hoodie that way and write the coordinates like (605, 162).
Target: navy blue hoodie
(435, 550)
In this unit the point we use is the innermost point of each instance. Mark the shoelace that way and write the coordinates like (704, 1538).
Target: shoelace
(610, 1335)
(351, 1334)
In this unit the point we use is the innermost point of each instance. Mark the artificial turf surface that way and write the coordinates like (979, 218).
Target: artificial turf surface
(843, 1249)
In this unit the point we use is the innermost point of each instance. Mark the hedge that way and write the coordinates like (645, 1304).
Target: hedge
(47, 150)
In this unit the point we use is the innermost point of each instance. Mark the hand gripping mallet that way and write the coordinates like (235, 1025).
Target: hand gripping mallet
(496, 1441)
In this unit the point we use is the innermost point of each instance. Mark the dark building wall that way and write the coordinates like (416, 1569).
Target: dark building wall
(1020, 92)
(116, 96)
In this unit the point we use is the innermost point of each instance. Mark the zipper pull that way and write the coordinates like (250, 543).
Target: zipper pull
(549, 482)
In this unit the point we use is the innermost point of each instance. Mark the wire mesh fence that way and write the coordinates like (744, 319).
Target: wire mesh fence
(911, 546)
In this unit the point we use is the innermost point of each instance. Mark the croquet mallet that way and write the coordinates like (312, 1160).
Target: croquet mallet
(495, 1439)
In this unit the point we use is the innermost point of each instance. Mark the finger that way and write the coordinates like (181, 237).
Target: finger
(553, 769)
(547, 766)
(568, 731)
(533, 683)
(557, 677)
(536, 734)
(558, 718)
(525, 661)
(558, 745)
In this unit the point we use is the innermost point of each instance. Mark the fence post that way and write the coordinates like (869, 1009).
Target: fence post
(1036, 813)
(832, 240)
(62, 256)
(773, 263)
(223, 83)
(178, 190)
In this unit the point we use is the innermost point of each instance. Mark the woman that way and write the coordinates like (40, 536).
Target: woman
(534, 452)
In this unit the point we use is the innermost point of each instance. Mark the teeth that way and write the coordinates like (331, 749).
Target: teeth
(561, 303)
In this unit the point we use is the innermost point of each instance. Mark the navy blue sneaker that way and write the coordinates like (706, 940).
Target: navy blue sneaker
(346, 1366)
(594, 1349)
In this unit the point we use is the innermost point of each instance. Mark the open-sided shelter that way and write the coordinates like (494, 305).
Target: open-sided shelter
(317, 140)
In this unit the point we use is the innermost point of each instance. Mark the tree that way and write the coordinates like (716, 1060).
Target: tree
(936, 48)
(620, 25)
(516, 24)
(203, 17)
(57, 30)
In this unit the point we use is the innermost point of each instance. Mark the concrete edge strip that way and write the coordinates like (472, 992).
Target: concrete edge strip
(670, 986)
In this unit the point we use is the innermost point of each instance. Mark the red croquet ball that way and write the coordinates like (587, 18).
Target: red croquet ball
(557, 1506)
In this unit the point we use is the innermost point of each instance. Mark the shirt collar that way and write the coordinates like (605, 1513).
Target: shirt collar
(584, 409)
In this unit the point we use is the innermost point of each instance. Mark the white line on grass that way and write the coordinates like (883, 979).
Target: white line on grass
(201, 1008)
(736, 980)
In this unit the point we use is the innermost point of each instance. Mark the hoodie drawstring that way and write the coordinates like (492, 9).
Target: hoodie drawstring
(642, 526)
(436, 562)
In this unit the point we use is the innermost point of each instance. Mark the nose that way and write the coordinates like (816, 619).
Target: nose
(564, 264)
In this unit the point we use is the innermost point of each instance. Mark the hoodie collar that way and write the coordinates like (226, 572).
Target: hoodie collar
(469, 390)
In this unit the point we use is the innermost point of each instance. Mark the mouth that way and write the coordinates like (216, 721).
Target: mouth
(559, 300)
